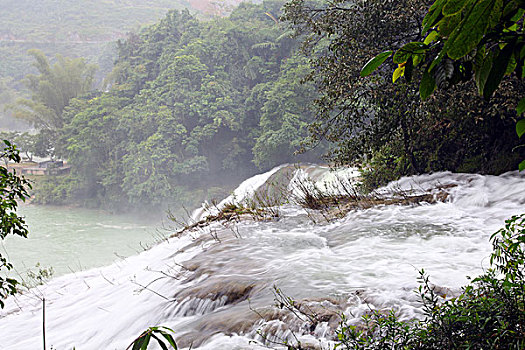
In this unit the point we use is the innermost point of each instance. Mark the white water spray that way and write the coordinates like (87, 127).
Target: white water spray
(197, 284)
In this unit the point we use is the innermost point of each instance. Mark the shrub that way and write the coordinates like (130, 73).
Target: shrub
(488, 314)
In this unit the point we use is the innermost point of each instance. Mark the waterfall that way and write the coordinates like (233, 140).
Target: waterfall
(213, 285)
(243, 191)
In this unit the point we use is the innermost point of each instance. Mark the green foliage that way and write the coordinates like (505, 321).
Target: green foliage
(29, 144)
(53, 88)
(71, 28)
(509, 251)
(363, 118)
(38, 277)
(339, 37)
(382, 168)
(160, 334)
(375, 62)
(488, 314)
(484, 37)
(285, 115)
(191, 105)
(481, 40)
(12, 189)
(58, 190)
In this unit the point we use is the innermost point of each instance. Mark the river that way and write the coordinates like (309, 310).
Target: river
(75, 239)
(214, 286)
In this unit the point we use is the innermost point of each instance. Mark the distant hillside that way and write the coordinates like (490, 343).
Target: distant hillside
(73, 20)
(70, 27)
(77, 28)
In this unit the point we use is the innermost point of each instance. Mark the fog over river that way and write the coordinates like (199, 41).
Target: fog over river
(75, 239)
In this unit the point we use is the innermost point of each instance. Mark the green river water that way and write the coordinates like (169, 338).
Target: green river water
(75, 239)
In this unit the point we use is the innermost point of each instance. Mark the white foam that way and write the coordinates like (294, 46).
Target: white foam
(378, 250)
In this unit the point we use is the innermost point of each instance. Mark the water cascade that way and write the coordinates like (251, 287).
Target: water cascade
(214, 285)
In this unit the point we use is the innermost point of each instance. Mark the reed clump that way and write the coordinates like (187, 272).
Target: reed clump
(334, 200)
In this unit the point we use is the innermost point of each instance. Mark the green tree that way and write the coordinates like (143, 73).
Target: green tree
(183, 111)
(461, 40)
(12, 189)
(52, 89)
(384, 126)
(285, 115)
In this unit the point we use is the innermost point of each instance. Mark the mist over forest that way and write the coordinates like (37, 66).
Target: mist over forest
(176, 112)
(87, 29)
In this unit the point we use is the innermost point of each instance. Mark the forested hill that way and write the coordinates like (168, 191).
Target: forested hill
(71, 28)
(193, 105)
(70, 20)
(75, 28)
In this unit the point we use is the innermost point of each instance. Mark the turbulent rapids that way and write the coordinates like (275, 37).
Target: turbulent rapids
(215, 285)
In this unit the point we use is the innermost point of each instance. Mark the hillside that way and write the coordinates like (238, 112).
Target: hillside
(87, 28)
(194, 106)
(73, 28)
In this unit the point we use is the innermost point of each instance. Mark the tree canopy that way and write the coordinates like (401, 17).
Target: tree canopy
(384, 126)
(461, 40)
(191, 105)
(53, 88)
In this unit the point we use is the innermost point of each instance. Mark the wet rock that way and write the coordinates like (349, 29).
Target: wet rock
(211, 294)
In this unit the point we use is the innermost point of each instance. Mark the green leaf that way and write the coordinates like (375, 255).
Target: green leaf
(495, 14)
(161, 343)
(417, 59)
(497, 71)
(448, 24)
(404, 53)
(470, 31)
(170, 339)
(146, 342)
(521, 167)
(510, 9)
(375, 62)
(511, 67)
(454, 6)
(432, 16)
(520, 127)
(431, 37)
(437, 60)
(521, 107)
(427, 85)
(398, 73)
(137, 344)
(483, 67)
(518, 15)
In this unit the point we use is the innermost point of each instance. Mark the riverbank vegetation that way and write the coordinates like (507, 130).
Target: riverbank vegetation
(12, 189)
(193, 106)
(385, 126)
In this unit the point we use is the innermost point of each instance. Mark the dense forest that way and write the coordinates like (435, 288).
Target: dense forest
(192, 105)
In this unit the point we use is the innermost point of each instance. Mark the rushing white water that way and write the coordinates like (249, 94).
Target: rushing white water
(243, 191)
(206, 284)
